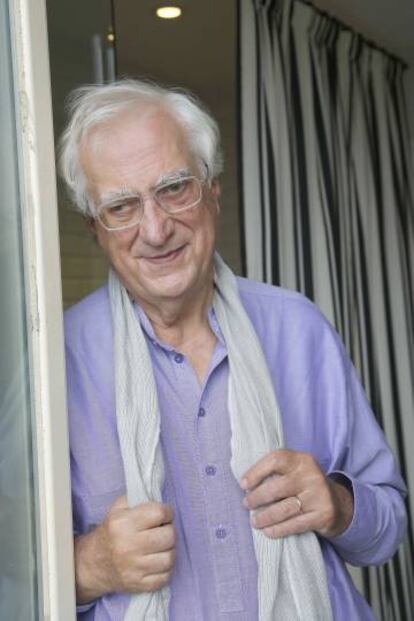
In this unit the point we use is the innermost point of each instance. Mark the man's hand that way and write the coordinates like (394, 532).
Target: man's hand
(133, 550)
(289, 494)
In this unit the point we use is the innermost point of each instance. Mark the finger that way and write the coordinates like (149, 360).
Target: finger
(295, 526)
(151, 514)
(281, 461)
(155, 581)
(120, 503)
(158, 563)
(273, 489)
(158, 539)
(276, 513)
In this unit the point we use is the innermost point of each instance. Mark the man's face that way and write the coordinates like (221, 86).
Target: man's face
(165, 257)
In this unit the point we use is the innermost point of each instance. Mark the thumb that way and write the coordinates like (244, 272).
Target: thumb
(120, 503)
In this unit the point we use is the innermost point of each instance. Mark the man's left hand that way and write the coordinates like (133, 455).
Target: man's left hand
(288, 493)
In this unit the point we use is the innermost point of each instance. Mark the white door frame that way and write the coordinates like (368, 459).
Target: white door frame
(44, 295)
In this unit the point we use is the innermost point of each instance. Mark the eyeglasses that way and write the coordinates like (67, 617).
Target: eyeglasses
(173, 197)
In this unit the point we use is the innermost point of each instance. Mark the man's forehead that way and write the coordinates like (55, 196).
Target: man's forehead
(130, 139)
(145, 121)
(132, 155)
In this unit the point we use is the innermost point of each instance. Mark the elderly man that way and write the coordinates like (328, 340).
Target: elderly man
(225, 461)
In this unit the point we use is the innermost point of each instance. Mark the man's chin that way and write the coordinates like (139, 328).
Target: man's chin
(169, 286)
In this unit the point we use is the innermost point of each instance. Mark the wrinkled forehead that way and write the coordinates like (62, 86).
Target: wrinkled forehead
(134, 150)
(142, 128)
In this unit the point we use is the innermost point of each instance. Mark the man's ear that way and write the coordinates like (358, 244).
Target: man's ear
(216, 189)
(216, 192)
(91, 225)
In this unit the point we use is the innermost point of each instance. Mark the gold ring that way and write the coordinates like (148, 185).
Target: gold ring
(300, 504)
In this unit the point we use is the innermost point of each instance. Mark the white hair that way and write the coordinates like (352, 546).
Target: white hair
(94, 104)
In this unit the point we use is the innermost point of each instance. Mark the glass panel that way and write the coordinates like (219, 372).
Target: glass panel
(19, 588)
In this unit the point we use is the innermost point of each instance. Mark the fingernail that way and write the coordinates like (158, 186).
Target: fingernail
(244, 484)
(246, 502)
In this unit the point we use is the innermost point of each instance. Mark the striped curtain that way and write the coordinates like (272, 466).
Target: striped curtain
(328, 210)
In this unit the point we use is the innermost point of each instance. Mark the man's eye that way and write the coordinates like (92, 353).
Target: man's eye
(123, 209)
(118, 208)
(174, 188)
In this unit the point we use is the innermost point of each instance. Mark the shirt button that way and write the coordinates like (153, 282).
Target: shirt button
(201, 412)
(221, 533)
(179, 358)
(211, 471)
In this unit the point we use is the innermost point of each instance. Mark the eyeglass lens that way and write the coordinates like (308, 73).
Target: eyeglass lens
(174, 197)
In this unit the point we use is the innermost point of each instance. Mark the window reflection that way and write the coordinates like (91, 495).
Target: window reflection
(19, 600)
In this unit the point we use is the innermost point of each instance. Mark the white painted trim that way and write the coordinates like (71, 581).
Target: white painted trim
(42, 262)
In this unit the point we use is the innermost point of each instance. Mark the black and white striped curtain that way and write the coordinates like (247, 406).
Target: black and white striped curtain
(328, 210)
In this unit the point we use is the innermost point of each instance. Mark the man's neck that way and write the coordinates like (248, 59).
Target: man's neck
(186, 328)
(183, 321)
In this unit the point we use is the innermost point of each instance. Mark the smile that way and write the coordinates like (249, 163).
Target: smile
(165, 258)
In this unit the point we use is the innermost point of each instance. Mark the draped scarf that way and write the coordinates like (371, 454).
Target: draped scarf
(292, 584)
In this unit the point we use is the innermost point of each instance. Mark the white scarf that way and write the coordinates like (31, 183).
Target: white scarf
(292, 582)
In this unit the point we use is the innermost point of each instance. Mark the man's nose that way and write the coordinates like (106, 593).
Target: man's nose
(156, 225)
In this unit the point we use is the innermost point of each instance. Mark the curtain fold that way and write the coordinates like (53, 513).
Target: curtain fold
(329, 211)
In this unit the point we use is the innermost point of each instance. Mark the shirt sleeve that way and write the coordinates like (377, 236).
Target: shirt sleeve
(84, 608)
(377, 527)
(326, 413)
(363, 456)
(97, 476)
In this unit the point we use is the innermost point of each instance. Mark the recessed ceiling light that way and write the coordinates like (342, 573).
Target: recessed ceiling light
(168, 12)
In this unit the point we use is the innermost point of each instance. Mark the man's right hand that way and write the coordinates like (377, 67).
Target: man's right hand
(132, 551)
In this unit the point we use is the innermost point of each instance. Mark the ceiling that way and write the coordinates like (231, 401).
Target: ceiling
(389, 23)
(206, 37)
(198, 50)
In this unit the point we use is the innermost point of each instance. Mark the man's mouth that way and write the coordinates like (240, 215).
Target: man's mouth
(165, 257)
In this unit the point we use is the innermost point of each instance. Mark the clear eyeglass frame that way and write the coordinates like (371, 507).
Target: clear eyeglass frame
(155, 195)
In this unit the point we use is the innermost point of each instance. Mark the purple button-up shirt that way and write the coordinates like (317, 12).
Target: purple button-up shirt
(324, 412)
